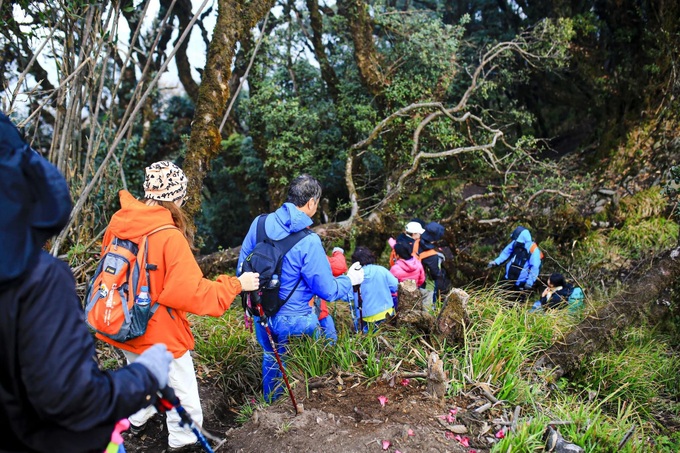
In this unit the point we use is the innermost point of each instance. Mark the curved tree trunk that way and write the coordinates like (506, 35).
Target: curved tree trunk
(649, 300)
(234, 19)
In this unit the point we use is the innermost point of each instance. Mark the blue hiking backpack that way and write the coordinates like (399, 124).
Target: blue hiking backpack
(267, 259)
(575, 300)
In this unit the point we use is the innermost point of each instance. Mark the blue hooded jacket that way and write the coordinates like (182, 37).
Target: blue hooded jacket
(531, 268)
(376, 291)
(306, 262)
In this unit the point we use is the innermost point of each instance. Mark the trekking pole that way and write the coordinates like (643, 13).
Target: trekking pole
(360, 304)
(247, 305)
(168, 401)
(263, 323)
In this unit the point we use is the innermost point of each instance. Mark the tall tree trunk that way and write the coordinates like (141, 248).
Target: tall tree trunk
(233, 20)
(365, 53)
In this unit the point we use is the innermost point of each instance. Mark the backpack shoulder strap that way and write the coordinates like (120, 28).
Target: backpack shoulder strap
(285, 245)
(261, 234)
(289, 241)
(427, 254)
(144, 253)
(533, 248)
(414, 250)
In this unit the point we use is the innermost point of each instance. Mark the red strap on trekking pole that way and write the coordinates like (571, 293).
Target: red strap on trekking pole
(263, 323)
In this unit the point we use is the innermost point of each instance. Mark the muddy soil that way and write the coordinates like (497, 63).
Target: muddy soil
(343, 415)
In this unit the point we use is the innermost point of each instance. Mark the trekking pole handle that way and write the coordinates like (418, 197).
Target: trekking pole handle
(168, 400)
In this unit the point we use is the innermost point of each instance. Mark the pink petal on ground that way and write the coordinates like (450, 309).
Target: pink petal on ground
(397, 451)
(405, 382)
(464, 441)
(386, 444)
(450, 418)
(411, 433)
(453, 411)
(472, 451)
(500, 434)
(449, 435)
(383, 400)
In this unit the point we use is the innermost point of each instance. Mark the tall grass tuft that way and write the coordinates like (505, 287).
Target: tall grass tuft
(225, 347)
(638, 373)
(311, 357)
(501, 342)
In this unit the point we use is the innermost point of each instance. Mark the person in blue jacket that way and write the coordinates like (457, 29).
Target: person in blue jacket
(376, 293)
(53, 397)
(523, 259)
(305, 263)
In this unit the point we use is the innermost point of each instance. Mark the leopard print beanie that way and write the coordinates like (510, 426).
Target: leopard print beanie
(165, 181)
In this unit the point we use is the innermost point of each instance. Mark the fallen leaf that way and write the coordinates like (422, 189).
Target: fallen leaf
(459, 429)
(386, 444)
(383, 400)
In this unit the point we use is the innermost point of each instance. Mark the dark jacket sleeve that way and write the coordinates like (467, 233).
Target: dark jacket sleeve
(56, 352)
(558, 299)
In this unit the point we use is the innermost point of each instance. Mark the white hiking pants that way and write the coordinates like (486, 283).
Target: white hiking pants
(182, 378)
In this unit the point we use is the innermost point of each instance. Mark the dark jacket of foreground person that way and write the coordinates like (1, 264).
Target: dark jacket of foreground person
(53, 397)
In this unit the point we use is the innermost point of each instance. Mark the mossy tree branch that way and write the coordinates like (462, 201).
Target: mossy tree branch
(234, 19)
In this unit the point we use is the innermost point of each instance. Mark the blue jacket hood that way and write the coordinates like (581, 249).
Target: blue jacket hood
(34, 201)
(525, 238)
(287, 219)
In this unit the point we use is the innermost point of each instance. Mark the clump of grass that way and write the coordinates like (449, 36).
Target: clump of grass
(643, 205)
(501, 343)
(310, 356)
(645, 237)
(639, 372)
(596, 251)
(247, 409)
(229, 350)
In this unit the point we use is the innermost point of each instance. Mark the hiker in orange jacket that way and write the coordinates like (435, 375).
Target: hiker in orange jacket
(338, 267)
(177, 284)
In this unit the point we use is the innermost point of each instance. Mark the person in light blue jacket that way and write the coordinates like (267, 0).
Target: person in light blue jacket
(305, 271)
(523, 259)
(377, 292)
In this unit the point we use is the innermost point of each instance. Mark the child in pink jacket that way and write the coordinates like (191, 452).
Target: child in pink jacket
(407, 267)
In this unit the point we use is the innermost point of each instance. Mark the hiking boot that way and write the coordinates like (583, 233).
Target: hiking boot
(189, 448)
(137, 430)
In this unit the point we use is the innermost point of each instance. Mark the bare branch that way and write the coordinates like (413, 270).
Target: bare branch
(542, 191)
(121, 133)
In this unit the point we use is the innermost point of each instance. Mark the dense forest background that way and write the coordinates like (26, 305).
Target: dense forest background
(562, 116)
(401, 108)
